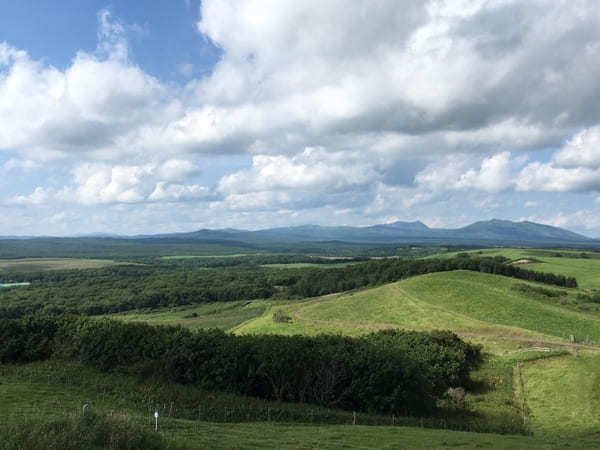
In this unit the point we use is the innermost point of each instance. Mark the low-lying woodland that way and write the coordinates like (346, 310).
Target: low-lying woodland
(399, 372)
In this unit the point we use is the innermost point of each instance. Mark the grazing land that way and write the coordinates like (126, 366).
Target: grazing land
(563, 394)
(44, 264)
(483, 306)
(582, 264)
(224, 316)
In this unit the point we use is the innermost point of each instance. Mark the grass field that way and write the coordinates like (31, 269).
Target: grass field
(313, 265)
(225, 315)
(43, 264)
(570, 263)
(43, 392)
(483, 307)
(235, 255)
(563, 394)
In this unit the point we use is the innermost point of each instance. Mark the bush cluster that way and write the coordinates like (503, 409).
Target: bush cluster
(398, 372)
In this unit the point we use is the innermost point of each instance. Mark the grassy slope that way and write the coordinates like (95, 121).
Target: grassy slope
(51, 392)
(469, 302)
(490, 298)
(587, 271)
(225, 315)
(563, 394)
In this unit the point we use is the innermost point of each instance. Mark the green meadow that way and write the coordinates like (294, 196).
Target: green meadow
(43, 264)
(223, 315)
(481, 306)
(565, 262)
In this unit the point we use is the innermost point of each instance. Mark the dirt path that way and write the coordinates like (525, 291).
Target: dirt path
(374, 326)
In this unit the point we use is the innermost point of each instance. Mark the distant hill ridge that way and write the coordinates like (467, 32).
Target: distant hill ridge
(490, 231)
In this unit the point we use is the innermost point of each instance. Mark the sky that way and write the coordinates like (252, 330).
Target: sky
(129, 116)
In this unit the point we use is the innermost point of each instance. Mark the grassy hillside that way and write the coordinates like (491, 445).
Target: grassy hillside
(583, 265)
(486, 307)
(563, 394)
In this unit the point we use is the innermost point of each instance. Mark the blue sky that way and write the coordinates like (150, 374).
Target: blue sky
(145, 117)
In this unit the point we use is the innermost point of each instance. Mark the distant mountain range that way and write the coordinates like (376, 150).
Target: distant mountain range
(485, 232)
(490, 232)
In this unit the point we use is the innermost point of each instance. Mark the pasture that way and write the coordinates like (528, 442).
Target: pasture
(482, 307)
(44, 264)
(583, 265)
(224, 315)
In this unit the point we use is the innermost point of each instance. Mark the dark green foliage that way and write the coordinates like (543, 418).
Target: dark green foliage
(593, 297)
(280, 317)
(387, 372)
(537, 291)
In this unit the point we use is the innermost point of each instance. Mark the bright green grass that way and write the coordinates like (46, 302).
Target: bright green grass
(311, 265)
(586, 270)
(490, 298)
(482, 307)
(563, 394)
(237, 255)
(43, 264)
(225, 315)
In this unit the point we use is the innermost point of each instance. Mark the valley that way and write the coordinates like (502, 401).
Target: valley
(535, 338)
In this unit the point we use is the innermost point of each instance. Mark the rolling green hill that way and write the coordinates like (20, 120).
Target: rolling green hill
(479, 305)
(583, 265)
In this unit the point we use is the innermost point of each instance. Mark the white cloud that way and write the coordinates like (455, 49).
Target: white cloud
(99, 183)
(583, 150)
(313, 170)
(38, 197)
(575, 167)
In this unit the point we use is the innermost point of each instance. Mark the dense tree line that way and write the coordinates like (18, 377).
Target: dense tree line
(392, 371)
(121, 288)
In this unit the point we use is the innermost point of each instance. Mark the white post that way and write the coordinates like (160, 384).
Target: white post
(155, 420)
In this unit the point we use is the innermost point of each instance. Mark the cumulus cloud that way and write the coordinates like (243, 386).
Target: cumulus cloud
(97, 104)
(99, 183)
(574, 167)
(346, 109)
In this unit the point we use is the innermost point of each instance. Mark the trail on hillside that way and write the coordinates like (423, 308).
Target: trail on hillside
(375, 326)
